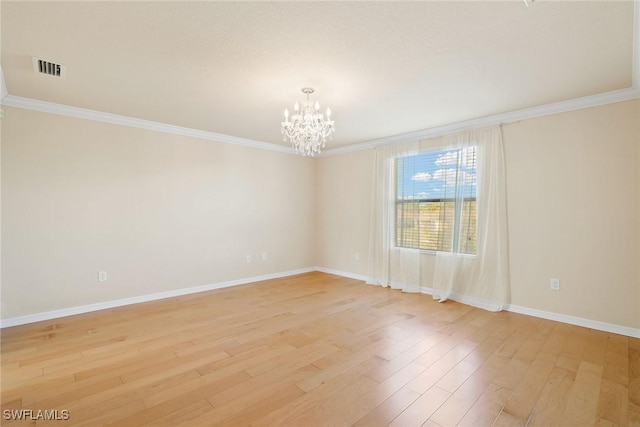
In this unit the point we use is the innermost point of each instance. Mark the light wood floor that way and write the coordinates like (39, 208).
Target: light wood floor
(317, 349)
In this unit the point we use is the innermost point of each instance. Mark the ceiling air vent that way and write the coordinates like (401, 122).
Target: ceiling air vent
(42, 66)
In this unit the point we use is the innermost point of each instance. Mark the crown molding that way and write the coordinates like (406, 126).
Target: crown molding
(434, 132)
(82, 113)
(493, 120)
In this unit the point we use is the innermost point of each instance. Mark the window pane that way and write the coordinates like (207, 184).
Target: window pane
(427, 187)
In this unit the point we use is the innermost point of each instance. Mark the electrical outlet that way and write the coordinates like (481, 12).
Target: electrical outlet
(356, 256)
(264, 256)
(248, 258)
(102, 276)
(555, 284)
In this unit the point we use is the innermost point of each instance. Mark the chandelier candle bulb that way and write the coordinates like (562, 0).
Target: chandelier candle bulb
(308, 130)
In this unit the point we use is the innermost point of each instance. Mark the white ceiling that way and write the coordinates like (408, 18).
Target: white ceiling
(384, 68)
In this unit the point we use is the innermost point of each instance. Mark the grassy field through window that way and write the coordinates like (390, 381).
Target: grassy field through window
(430, 225)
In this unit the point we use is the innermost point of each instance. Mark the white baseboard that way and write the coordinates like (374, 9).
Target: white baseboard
(476, 302)
(341, 273)
(55, 314)
(578, 321)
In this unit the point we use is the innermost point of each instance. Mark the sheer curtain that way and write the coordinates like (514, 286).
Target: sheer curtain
(484, 278)
(389, 265)
(479, 277)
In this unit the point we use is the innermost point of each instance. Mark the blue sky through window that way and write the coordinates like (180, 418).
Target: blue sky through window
(435, 175)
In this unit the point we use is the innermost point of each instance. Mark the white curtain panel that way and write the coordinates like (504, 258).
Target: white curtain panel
(384, 257)
(483, 278)
(480, 276)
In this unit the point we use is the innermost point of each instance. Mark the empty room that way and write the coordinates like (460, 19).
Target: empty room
(311, 213)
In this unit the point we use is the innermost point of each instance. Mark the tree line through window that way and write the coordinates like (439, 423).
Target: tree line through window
(436, 201)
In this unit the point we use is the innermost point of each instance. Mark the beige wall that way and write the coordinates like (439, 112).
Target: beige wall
(158, 212)
(573, 202)
(344, 197)
(161, 212)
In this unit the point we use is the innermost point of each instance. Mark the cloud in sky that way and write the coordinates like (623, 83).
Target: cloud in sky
(421, 176)
(446, 175)
(451, 158)
(449, 176)
(466, 157)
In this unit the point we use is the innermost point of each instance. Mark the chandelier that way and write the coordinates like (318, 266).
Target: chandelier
(307, 129)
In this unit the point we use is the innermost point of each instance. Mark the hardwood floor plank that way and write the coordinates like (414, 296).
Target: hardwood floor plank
(616, 361)
(523, 399)
(458, 375)
(336, 409)
(440, 368)
(73, 394)
(554, 398)
(172, 366)
(571, 354)
(317, 350)
(463, 399)
(296, 358)
(487, 408)
(202, 385)
(445, 346)
(104, 413)
(505, 419)
(531, 347)
(297, 407)
(22, 390)
(256, 411)
(557, 339)
(422, 408)
(367, 402)
(583, 398)
(388, 410)
(392, 366)
(184, 415)
(119, 368)
(353, 359)
(613, 403)
(511, 375)
(256, 398)
(89, 362)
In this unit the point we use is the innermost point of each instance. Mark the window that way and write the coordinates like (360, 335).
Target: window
(436, 201)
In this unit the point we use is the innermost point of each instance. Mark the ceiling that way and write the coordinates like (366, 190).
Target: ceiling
(384, 68)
